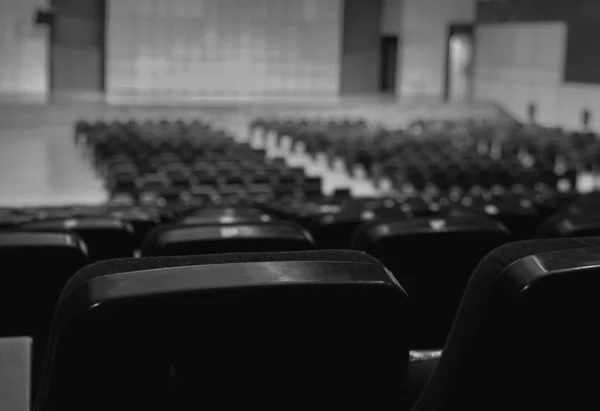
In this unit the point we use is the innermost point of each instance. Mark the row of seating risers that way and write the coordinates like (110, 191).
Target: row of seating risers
(395, 232)
(443, 159)
(180, 160)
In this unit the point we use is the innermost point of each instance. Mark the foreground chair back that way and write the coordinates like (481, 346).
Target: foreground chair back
(525, 332)
(233, 331)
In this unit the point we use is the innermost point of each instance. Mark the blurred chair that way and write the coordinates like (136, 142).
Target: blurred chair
(228, 331)
(520, 339)
(433, 259)
(197, 239)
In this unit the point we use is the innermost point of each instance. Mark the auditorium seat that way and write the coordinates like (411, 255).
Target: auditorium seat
(11, 218)
(521, 336)
(267, 331)
(34, 268)
(517, 213)
(141, 220)
(227, 215)
(571, 224)
(433, 259)
(105, 237)
(216, 238)
(334, 230)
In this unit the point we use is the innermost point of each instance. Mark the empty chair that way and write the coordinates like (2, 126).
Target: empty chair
(575, 222)
(433, 259)
(196, 239)
(34, 267)
(142, 221)
(229, 331)
(11, 219)
(312, 187)
(334, 231)
(105, 237)
(518, 215)
(520, 336)
(227, 215)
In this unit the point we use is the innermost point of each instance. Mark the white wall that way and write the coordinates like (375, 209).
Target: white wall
(521, 63)
(224, 48)
(423, 36)
(23, 50)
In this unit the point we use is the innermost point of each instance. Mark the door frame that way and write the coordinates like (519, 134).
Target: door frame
(451, 30)
(384, 39)
(104, 4)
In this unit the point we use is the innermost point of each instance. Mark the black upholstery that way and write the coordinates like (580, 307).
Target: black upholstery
(186, 239)
(572, 223)
(105, 237)
(229, 215)
(34, 269)
(520, 336)
(333, 231)
(228, 331)
(225, 325)
(433, 259)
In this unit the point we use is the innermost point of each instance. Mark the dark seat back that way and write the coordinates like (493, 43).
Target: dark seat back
(183, 239)
(34, 267)
(230, 331)
(572, 223)
(433, 259)
(521, 336)
(105, 237)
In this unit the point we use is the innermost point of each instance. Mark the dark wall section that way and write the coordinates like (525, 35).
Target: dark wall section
(582, 61)
(360, 69)
(501, 11)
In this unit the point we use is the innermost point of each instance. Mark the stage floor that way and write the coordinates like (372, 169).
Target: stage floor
(40, 165)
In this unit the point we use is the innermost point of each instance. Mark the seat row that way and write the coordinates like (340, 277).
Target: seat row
(171, 161)
(442, 157)
(429, 247)
(188, 332)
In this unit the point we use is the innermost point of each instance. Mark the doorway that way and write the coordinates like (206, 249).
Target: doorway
(77, 49)
(460, 59)
(389, 65)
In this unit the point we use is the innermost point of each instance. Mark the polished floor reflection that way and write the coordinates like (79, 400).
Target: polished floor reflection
(40, 165)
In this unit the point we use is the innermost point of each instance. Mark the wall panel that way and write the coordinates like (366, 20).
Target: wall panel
(391, 23)
(23, 49)
(361, 57)
(224, 48)
(524, 61)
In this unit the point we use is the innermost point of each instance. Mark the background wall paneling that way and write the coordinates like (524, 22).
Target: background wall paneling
(23, 50)
(212, 49)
